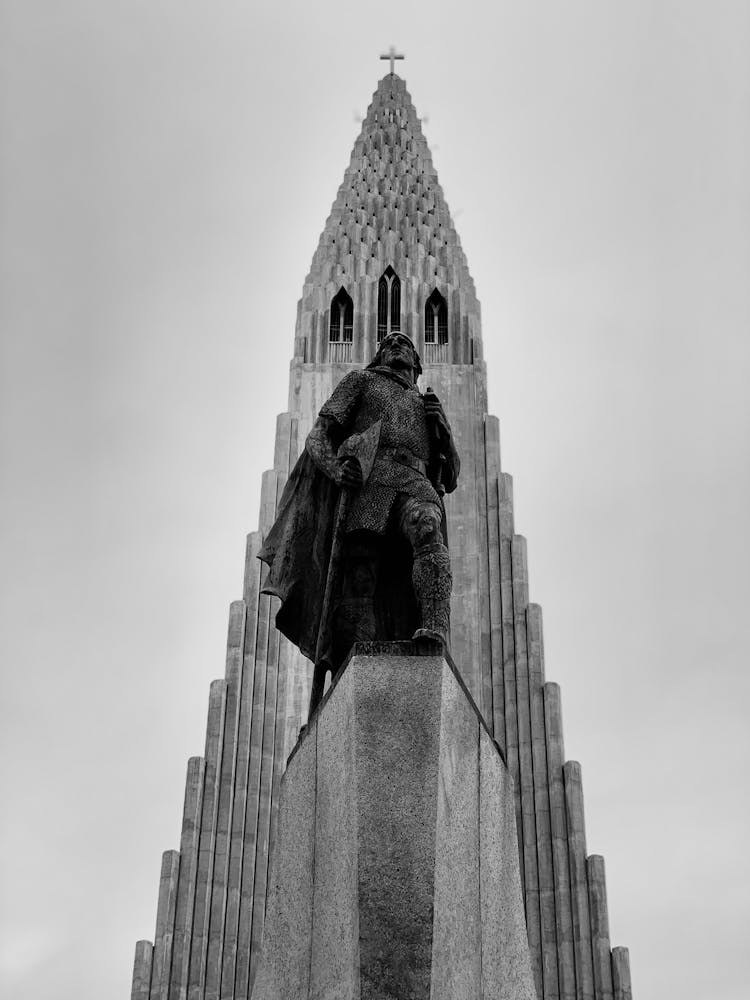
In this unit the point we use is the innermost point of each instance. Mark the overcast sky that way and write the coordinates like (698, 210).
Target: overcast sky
(165, 171)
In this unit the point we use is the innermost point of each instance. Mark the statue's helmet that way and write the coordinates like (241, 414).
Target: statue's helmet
(377, 361)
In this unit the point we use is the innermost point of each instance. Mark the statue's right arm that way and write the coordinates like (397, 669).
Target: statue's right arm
(322, 445)
(331, 428)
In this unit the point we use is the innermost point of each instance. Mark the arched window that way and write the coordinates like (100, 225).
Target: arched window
(436, 319)
(342, 318)
(389, 303)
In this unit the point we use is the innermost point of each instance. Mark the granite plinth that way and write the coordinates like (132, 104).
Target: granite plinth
(395, 870)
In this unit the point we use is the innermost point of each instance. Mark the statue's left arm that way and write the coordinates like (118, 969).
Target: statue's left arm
(450, 463)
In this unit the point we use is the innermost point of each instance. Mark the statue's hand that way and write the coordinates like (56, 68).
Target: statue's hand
(435, 414)
(349, 473)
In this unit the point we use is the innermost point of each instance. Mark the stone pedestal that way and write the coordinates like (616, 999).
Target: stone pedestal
(394, 873)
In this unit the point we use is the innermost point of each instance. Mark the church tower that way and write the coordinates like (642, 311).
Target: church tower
(388, 259)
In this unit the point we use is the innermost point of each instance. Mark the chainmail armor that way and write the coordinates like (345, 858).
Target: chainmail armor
(360, 399)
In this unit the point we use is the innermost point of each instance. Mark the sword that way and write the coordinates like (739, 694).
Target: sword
(437, 465)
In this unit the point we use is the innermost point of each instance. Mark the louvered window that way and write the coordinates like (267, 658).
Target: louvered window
(389, 304)
(342, 318)
(436, 319)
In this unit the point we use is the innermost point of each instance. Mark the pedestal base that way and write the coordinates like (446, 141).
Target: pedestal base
(394, 873)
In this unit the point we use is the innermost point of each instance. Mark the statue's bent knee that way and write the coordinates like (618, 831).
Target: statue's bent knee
(420, 522)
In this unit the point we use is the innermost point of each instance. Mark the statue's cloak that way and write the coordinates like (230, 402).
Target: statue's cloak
(297, 550)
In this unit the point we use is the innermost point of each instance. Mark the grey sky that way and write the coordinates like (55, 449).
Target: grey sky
(166, 169)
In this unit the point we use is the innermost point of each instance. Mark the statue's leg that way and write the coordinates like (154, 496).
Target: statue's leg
(420, 522)
(355, 615)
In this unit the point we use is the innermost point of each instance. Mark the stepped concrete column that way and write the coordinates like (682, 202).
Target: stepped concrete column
(395, 868)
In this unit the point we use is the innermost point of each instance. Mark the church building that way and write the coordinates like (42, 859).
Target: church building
(388, 259)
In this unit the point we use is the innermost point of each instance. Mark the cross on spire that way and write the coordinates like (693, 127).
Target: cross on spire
(391, 54)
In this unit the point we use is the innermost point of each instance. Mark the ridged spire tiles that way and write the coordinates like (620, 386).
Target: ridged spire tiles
(391, 210)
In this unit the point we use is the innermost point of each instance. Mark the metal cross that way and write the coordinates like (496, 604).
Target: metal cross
(391, 54)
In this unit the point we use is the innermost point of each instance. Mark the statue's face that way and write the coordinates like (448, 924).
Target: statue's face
(397, 351)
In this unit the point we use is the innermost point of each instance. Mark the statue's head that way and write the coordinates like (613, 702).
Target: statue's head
(397, 351)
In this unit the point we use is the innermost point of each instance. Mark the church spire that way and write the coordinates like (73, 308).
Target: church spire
(390, 211)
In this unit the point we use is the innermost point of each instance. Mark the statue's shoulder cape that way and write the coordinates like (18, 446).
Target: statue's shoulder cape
(297, 550)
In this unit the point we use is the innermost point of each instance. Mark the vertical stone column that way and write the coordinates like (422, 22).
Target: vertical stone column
(505, 504)
(525, 778)
(231, 947)
(267, 744)
(578, 880)
(189, 841)
(252, 806)
(142, 970)
(495, 667)
(545, 866)
(621, 974)
(599, 927)
(559, 832)
(285, 676)
(234, 664)
(214, 742)
(162, 956)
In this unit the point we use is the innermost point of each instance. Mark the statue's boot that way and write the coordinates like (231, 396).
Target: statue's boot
(432, 582)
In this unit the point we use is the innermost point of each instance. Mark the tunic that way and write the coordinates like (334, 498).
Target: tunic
(357, 402)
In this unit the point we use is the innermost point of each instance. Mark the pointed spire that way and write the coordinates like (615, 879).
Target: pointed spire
(390, 201)
(391, 210)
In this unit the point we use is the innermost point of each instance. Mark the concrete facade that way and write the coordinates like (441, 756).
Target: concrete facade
(389, 211)
(410, 884)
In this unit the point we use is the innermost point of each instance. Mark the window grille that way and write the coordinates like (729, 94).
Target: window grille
(340, 352)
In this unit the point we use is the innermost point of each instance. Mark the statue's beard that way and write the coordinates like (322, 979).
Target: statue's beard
(401, 364)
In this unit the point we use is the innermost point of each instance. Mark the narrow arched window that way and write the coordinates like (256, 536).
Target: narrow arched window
(436, 329)
(342, 318)
(436, 319)
(395, 303)
(389, 303)
(382, 308)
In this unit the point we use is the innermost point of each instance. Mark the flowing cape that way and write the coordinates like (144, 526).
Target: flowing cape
(297, 550)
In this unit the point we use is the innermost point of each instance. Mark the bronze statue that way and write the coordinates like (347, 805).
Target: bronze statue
(358, 550)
